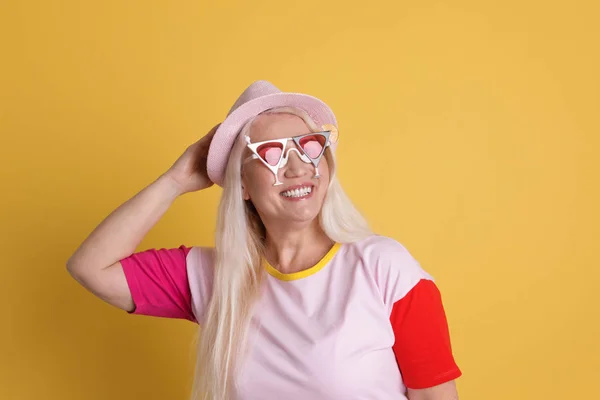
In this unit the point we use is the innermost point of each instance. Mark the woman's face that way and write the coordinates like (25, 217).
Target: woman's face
(277, 203)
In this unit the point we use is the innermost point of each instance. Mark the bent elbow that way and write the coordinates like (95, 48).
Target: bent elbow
(74, 269)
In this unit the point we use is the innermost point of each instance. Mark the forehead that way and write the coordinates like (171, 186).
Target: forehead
(277, 126)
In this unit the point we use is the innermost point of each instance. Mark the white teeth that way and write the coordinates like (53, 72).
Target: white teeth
(297, 192)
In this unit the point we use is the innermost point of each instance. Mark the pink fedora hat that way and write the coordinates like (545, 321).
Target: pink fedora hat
(257, 98)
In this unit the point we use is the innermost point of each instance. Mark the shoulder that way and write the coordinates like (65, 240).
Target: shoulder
(200, 254)
(385, 254)
(200, 261)
(394, 269)
(379, 246)
(200, 270)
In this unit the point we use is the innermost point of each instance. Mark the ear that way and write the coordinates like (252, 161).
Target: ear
(245, 194)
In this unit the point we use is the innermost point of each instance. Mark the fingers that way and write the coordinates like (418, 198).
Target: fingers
(201, 145)
(212, 132)
(205, 140)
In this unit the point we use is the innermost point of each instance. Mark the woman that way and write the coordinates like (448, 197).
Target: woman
(298, 299)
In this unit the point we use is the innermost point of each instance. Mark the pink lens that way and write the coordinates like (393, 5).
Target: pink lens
(312, 148)
(313, 145)
(270, 152)
(272, 155)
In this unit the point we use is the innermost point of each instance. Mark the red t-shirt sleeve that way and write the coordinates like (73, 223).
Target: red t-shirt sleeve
(422, 345)
(158, 282)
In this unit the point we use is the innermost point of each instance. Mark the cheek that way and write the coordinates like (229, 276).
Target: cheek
(324, 166)
(324, 169)
(258, 179)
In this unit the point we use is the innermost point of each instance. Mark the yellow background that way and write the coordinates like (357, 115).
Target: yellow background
(469, 132)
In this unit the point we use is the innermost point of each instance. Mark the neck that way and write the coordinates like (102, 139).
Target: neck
(292, 248)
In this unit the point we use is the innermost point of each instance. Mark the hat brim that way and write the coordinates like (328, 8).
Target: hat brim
(224, 138)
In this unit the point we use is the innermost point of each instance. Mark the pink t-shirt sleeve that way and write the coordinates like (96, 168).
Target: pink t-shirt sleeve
(158, 281)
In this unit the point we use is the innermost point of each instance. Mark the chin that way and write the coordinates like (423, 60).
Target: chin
(303, 214)
(305, 217)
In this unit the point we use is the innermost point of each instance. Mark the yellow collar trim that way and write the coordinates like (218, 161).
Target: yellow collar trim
(307, 272)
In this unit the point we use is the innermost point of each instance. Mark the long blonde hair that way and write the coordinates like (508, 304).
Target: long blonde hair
(239, 273)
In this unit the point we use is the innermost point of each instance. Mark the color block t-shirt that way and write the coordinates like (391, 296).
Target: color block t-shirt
(364, 323)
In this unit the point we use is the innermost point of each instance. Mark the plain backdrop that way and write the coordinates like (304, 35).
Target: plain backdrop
(468, 132)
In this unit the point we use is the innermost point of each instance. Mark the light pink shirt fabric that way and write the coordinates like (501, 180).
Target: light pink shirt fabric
(326, 336)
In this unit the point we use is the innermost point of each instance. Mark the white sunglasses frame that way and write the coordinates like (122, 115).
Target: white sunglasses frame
(284, 154)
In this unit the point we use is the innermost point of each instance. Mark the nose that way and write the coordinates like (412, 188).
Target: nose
(295, 167)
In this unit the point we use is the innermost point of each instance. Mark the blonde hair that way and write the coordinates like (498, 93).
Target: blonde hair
(238, 274)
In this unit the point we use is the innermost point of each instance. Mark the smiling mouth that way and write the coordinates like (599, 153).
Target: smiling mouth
(297, 193)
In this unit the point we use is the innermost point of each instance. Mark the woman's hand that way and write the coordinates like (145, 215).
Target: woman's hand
(189, 171)
(96, 263)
